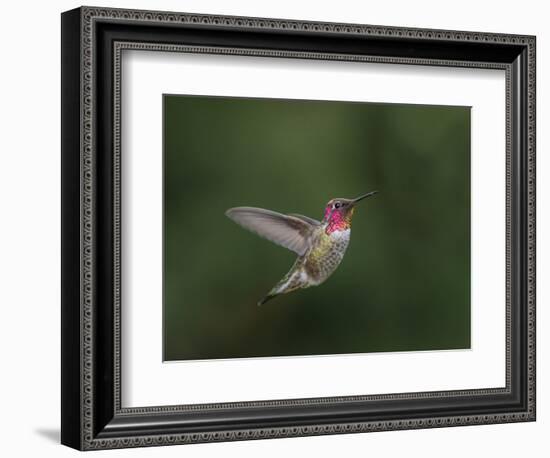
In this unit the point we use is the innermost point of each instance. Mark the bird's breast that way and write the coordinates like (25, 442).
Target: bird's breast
(326, 254)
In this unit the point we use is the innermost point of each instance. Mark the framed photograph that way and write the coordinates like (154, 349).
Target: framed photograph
(213, 171)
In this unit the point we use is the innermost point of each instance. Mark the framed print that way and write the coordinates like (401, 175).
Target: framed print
(213, 171)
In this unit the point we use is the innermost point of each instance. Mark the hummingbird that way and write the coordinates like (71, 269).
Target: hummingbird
(320, 245)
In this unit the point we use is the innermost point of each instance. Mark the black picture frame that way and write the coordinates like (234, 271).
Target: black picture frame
(92, 416)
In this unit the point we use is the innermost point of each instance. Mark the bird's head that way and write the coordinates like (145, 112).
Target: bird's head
(338, 212)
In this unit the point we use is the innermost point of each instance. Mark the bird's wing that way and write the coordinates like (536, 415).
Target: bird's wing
(307, 219)
(284, 230)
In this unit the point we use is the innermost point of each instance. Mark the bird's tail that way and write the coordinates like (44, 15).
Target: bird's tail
(290, 282)
(266, 298)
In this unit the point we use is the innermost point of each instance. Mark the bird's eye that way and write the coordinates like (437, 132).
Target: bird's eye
(337, 205)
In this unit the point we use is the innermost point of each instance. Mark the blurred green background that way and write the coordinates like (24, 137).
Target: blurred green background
(404, 283)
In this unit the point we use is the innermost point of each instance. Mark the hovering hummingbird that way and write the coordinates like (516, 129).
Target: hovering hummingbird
(320, 245)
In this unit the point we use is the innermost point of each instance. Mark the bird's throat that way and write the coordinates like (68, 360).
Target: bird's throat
(339, 221)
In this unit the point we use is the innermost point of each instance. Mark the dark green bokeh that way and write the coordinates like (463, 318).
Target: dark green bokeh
(404, 283)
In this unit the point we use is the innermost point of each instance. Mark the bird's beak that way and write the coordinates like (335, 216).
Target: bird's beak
(364, 196)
